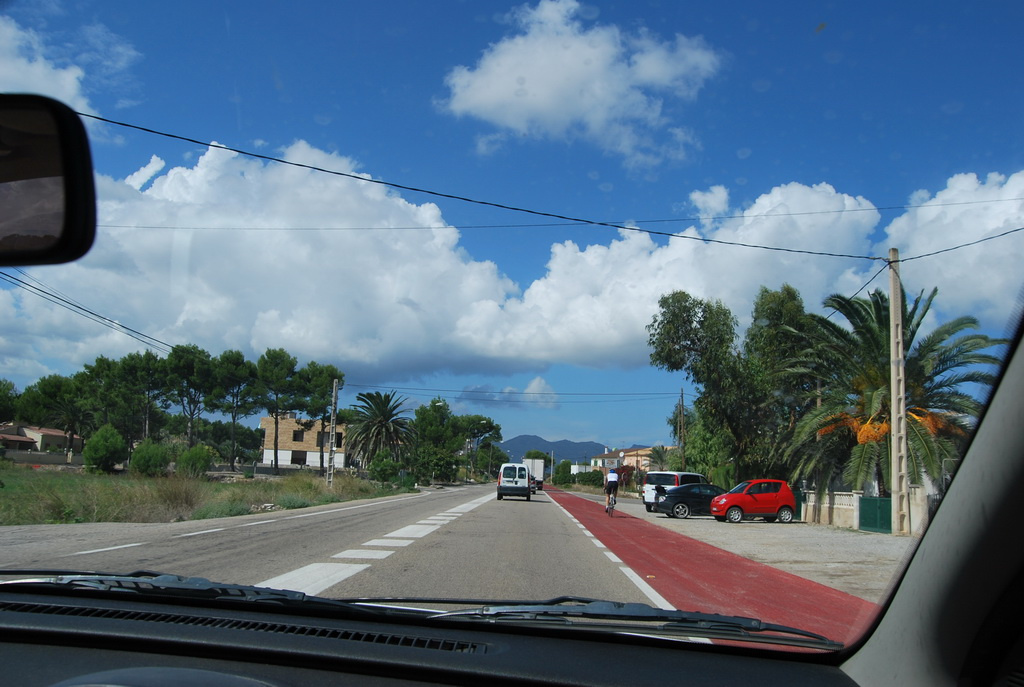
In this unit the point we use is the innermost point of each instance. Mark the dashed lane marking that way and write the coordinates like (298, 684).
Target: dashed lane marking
(314, 578)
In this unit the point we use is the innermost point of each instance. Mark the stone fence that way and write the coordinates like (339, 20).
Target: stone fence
(842, 509)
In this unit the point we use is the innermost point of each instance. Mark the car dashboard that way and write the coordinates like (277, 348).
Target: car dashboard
(61, 640)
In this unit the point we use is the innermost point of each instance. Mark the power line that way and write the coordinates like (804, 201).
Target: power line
(514, 393)
(59, 300)
(474, 201)
(547, 225)
(963, 245)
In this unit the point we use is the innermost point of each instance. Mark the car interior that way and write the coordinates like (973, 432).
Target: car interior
(952, 618)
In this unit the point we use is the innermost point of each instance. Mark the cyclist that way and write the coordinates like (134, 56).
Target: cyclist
(611, 488)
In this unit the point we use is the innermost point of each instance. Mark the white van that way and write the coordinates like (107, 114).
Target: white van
(666, 480)
(514, 480)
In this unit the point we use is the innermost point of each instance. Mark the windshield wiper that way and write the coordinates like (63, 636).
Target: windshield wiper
(574, 611)
(173, 587)
(613, 616)
(638, 618)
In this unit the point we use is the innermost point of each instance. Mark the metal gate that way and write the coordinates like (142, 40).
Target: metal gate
(875, 514)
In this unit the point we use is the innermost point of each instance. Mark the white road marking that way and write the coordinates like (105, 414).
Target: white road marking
(314, 578)
(413, 531)
(363, 553)
(362, 505)
(109, 548)
(466, 507)
(258, 522)
(388, 542)
(196, 534)
(656, 598)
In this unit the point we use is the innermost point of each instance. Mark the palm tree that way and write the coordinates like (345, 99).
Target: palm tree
(658, 458)
(380, 425)
(71, 417)
(848, 426)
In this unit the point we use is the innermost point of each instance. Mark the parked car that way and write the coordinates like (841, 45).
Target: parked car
(514, 480)
(687, 500)
(666, 479)
(770, 499)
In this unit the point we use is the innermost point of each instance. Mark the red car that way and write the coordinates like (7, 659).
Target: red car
(771, 499)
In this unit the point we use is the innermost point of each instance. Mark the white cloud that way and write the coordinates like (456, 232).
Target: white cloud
(344, 285)
(558, 79)
(139, 178)
(24, 68)
(981, 280)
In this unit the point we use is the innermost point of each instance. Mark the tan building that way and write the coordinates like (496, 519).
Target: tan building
(297, 444)
(26, 438)
(637, 458)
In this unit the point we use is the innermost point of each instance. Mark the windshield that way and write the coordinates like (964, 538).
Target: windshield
(352, 258)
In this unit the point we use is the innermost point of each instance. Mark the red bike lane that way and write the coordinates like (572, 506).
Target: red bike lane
(695, 576)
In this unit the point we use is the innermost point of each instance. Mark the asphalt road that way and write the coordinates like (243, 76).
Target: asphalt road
(445, 542)
(459, 541)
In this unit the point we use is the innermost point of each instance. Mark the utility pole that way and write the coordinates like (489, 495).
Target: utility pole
(898, 402)
(681, 427)
(332, 437)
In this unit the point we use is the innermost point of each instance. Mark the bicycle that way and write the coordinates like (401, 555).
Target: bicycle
(611, 505)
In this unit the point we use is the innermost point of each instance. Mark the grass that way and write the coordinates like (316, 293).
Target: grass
(39, 496)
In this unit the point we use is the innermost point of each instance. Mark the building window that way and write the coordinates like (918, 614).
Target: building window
(297, 435)
(298, 457)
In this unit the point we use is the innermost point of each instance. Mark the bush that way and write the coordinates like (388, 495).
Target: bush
(221, 509)
(562, 473)
(195, 461)
(384, 470)
(594, 478)
(150, 459)
(104, 450)
(290, 501)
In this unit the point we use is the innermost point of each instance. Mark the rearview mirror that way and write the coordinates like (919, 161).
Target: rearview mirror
(47, 197)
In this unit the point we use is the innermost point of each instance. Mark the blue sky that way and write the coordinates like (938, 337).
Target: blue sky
(830, 127)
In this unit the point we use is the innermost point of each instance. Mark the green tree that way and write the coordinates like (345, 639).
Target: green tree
(275, 390)
(35, 404)
(104, 450)
(195, 461)
(234, 392)
(852, 412)
(474, 428)
(69, 415)
(697, 337)
(8, 400)
(489, 455)
(142, 377)
(150, 459)
(317, 383)
(189, 381)
(437, 433)
(383, 468)
(658, 458)
(381, 426)
(562, 473)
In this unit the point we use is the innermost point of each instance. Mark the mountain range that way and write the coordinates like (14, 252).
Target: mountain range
(573, 451)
